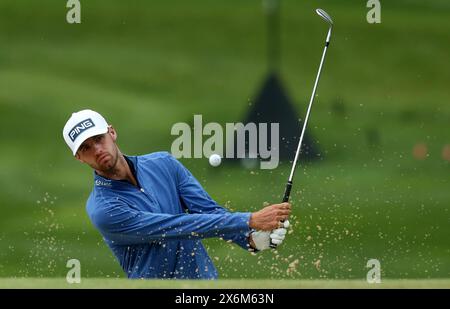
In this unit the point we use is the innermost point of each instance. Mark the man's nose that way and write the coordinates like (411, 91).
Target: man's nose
(97, 148)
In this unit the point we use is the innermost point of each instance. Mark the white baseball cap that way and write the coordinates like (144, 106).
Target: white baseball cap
(82, 125)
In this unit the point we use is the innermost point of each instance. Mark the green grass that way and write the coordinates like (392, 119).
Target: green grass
(97, 283)
(147, 65)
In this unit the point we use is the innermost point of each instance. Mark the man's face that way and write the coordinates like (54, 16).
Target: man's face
(100, 151)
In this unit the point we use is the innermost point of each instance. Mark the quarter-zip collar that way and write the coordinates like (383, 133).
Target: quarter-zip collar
(100, 181)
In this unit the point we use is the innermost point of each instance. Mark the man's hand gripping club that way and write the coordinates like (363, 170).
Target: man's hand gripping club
(270, 225)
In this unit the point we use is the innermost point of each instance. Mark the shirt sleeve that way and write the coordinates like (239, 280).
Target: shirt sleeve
(124, 225)
(198, 201)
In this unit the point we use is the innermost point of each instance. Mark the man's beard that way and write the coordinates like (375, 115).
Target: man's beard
(110, 166)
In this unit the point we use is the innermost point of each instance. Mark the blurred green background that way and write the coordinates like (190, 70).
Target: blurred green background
(146, 65)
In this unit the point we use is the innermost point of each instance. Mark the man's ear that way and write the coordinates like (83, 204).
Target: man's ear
(113, 133)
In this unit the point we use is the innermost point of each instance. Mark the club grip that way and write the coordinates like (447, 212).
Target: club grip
(287, 192)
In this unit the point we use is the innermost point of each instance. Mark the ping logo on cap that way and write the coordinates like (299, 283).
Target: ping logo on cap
(80, 128)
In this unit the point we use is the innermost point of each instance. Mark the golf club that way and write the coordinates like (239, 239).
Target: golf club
(287, 191)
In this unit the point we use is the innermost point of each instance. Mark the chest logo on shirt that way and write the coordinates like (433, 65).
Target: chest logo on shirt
(80, 128)
(102, 183)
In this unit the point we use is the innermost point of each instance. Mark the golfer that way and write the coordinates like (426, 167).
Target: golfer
(153, 213)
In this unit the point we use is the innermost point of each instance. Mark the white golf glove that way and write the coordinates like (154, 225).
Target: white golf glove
(262, 239)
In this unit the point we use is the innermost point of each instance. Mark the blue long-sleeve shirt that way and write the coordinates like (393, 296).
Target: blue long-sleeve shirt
(155, 229)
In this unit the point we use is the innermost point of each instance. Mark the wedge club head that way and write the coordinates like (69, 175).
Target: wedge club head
(325, 16)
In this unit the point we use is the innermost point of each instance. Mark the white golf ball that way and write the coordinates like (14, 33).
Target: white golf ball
(215, 160)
